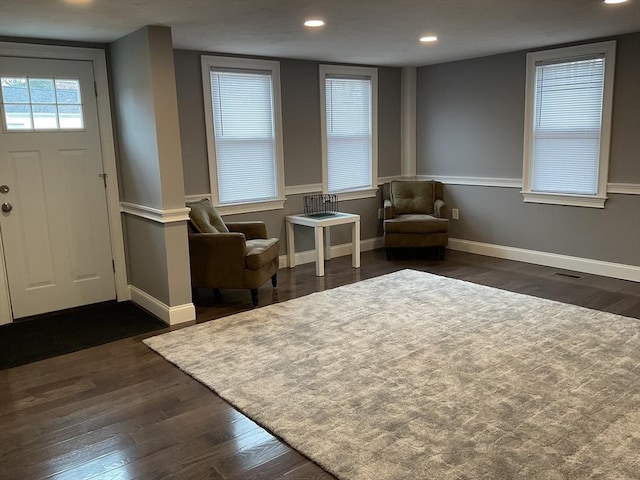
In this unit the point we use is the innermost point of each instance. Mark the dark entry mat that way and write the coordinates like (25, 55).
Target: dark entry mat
(26, 341)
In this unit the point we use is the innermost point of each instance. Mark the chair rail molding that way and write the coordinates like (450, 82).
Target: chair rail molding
(197, 197)
(475, 181)
(615, 188)
(624, 188)
(155, 214)
(290, 190)
(383, 180)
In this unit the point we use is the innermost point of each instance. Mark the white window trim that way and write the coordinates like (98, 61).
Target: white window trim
(594, 201)
(208, 62)
(357, 72)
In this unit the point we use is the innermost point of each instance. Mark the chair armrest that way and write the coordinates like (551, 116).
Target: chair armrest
(440, 209)
(251, 230)
(217, 258)
(388, 209)
(218, 245)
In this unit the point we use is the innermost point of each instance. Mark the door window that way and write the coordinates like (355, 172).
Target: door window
(41, 104)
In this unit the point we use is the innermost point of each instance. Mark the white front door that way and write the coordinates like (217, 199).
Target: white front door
(54, 221)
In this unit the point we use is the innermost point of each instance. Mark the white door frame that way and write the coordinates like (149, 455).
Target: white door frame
(98, 59)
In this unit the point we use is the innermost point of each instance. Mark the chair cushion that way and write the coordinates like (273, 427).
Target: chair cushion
(416, 224)
(261, 252)
(412, 197)
(205, 218)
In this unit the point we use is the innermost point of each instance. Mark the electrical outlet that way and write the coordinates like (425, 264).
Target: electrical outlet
(455, 214)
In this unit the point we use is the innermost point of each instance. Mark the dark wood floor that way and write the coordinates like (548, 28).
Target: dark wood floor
(119, 411)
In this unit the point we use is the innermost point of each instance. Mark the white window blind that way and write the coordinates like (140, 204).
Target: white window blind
(348, 133)
(244, 134)
(567, 124)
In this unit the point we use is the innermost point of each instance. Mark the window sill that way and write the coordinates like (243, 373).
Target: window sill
(564, 199)
(236, 208)
(356, 195)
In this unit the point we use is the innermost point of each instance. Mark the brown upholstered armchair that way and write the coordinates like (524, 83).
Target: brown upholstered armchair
(229, 255)
(415, 215)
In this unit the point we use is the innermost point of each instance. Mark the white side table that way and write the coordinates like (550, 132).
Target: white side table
(321, 225)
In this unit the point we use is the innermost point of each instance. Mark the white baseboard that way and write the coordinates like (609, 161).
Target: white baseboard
(309, 256)
(169, 315)
(578, 264)
(565, 262)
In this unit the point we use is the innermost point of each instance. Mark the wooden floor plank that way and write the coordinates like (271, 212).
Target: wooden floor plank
(119, 411)
(307, 471)
(273, 467)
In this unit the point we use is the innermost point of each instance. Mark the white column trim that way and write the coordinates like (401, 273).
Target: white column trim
(169, 315)
(156, 214)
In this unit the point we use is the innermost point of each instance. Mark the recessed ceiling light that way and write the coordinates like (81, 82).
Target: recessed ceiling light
(314, 23)
(611, 2)
(429, 39)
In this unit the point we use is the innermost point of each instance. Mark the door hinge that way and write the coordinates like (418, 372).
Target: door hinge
(113, 265)
(95, 88)
(104, 178)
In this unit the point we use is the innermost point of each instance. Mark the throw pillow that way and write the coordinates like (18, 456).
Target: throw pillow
(205, 218)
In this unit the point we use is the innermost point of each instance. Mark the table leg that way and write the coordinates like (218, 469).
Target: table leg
(355, 244)
(319, 252)
(291, 248)
(327, 243)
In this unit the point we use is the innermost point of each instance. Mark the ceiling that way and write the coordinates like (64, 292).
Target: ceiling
(375, 32)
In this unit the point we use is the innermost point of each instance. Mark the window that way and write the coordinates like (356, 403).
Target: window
(567, 125)
(349, 109)
(41, 104)
(244, 134)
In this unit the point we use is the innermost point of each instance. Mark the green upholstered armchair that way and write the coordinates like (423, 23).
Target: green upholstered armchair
(229, 255)
(415, 215)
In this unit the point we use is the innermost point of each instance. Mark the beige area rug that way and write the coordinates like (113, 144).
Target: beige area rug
(416, 376)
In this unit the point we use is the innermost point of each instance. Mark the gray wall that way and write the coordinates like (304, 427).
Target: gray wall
(145, 249)
(301, 129)
(301, 137)
(135, 120)
(149, 162)
(470, 123)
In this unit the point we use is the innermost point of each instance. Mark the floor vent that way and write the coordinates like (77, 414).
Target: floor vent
(568, 275)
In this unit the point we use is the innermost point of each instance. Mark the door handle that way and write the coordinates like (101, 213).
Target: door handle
(4, 188)
(6, 207)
